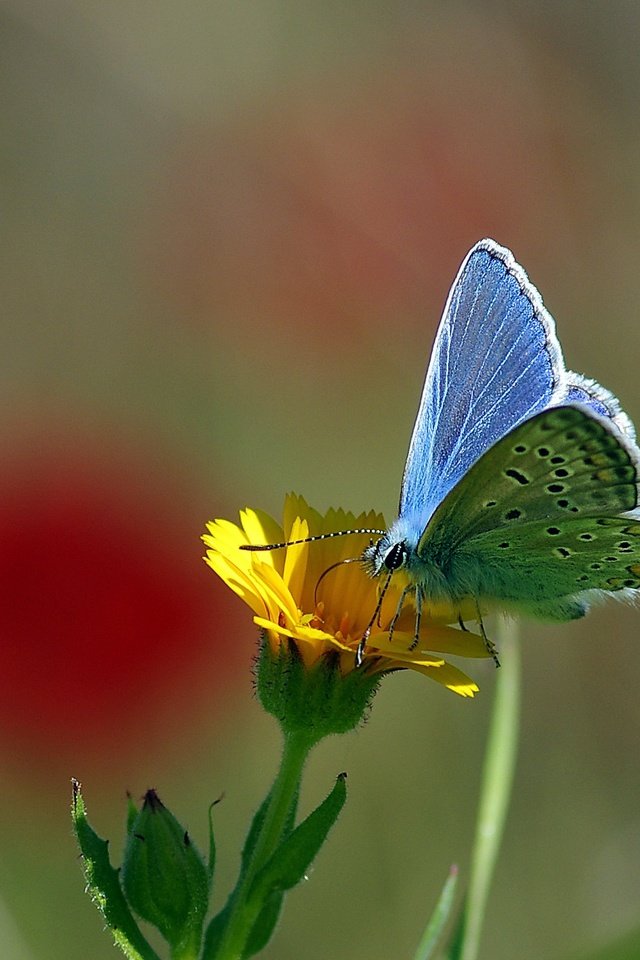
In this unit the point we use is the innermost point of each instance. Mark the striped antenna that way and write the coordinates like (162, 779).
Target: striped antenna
(319, 536)
(333, 566)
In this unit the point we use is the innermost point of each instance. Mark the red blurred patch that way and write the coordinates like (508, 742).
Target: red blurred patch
(108, 615)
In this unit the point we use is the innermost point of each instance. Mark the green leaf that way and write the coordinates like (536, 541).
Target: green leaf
(291, 860)
(254, 832)
(257, 824)
(433, 932)
(103, 885)
(215, 929)
(217, 924)
(264, 926)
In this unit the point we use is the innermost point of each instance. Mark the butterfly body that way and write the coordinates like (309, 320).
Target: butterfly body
(520, 490)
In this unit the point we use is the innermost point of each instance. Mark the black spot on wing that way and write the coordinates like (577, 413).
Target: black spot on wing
(516, 475)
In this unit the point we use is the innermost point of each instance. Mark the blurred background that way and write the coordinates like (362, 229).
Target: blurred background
(229, 230)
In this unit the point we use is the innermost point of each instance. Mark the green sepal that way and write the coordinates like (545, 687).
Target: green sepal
(293, 857)
(164, 877)
(103, 885)
(319, 700)
(432, 936)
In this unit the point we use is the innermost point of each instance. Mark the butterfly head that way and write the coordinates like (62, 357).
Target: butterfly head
(385, 556)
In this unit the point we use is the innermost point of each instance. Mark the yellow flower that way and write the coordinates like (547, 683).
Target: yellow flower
(294, 594)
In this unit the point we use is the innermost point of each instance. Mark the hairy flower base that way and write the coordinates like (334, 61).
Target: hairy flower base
(299, 596)
(320, 700)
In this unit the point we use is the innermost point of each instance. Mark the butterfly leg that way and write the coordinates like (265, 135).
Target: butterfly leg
(376, 614)
(364, 640)
(394, 619)
(416, 635)
(462, 623)
(489, 644)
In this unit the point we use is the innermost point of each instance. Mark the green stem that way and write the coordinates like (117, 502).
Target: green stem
(499, 765)
(433, 932)
(243, 913)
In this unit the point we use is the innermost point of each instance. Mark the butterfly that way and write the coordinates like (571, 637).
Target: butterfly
(521, 481)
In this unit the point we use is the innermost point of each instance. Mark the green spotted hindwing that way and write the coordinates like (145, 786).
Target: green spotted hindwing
(537, 520)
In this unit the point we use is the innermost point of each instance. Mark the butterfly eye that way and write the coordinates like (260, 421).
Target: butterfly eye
(396, 556)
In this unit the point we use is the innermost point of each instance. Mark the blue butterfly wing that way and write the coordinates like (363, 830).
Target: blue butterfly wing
(496, 361)
(581, 389)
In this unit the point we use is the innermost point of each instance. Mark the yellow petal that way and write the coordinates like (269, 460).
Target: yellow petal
(449, 676)
(224, 535)
(295, 564)
(260, 528)
(311, 643)
(237, 579)
(434, 638)
(278, 595)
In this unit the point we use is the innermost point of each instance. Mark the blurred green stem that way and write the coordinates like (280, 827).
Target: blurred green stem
(499, 765)
(433, 932)
(243, 914)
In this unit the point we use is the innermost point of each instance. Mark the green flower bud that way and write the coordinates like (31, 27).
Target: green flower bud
(320, 699)
(164, 877)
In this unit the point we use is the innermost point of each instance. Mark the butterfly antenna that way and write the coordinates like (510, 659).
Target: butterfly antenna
(489, 644)
(319, 536)
(328, 570)
(367, 633)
